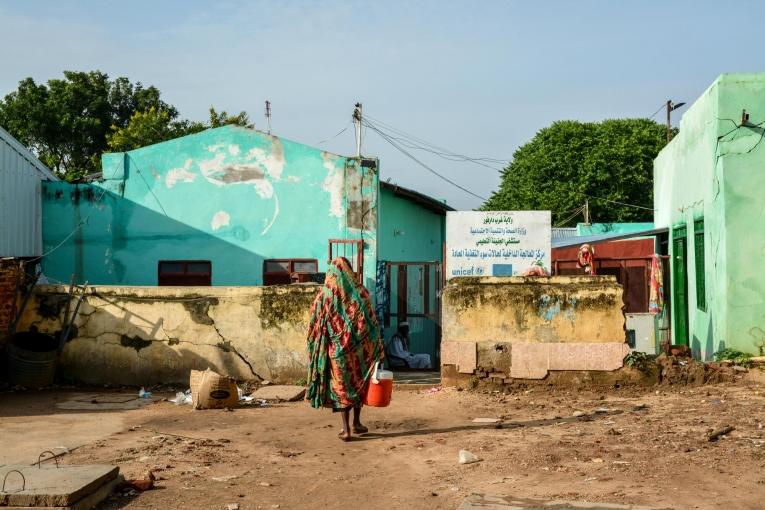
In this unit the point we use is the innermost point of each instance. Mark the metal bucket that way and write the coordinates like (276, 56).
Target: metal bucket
(32, 359)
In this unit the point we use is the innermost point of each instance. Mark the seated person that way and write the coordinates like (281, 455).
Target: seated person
(398, 348)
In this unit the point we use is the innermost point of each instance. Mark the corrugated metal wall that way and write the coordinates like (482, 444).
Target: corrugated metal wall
(20, 200)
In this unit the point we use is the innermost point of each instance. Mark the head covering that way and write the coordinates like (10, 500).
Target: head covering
(343, 340)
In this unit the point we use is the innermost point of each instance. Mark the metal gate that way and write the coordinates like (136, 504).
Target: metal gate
(351, 249)
(413, 291)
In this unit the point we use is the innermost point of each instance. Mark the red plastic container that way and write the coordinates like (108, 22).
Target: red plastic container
(380, 389)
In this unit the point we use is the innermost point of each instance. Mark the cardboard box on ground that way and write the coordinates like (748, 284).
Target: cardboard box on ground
(210, 390)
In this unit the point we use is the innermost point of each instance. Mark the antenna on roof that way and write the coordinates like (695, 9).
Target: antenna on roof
(357, 123)
(268, 115)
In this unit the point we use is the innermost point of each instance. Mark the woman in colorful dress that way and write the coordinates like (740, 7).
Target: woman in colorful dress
(344, 344)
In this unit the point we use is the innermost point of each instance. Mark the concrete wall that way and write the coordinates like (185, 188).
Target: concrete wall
(520, 309)
(486, 319)
(231, 195)
(147, 335)
(713, 170)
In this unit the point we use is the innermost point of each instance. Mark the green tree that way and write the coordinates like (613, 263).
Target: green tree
(65, 122)
(143, 128)
(224, 119)
(154, 126)
(570, 162)
(68, 123)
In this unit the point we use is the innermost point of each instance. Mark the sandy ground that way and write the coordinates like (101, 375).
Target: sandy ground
(649, 448)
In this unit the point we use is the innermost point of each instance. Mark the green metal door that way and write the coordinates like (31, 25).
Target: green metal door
(680, 286)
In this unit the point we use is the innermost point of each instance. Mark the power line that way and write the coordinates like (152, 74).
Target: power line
(421, 142)
(338, 134)
(413, 158)
(657, 111)
(617, 202)
(576, 213)
(415, 142)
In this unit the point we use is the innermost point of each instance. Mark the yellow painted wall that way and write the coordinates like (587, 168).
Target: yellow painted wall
(520, 309)
(147, 335)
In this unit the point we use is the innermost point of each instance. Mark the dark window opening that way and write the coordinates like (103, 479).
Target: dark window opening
(698, 245)
(184, 273)
(288, 271)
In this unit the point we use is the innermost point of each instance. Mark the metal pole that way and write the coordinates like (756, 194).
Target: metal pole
(587, 212)
(669, 121)
(268, 115)
(357, 123)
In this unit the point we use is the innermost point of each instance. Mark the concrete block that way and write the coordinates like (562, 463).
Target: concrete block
(594, 357)
(533, 361)
(492, 502)
(280, 392)
(50, 486)
(461, 354)
(530, 361)
(104, 402)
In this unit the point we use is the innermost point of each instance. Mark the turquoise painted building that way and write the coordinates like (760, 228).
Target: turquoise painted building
(709, 185)
(411, 239)
(228, 200)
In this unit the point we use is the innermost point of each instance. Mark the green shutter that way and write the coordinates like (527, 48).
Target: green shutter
(679, 301)
(698, 247)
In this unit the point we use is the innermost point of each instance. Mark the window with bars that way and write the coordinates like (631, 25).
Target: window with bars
(698, 248)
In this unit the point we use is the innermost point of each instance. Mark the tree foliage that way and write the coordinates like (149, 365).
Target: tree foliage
(154, 126)
(570, 161)
(68, 123)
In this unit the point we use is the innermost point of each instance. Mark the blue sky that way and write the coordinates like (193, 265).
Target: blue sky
(478, 78)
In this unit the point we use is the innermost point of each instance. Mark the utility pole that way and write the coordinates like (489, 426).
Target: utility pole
(268, 115)
(587, 212)
(670, 107)
(357, 123)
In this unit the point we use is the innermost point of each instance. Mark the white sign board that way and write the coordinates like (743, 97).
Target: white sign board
(496, 243)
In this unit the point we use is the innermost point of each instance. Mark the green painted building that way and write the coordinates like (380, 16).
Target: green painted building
(234, 206)
(709, 184)
(411, 243)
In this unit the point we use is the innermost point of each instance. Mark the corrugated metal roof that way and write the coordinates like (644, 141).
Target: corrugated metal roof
(558, 233)
(21, 174)
(417, 197)
(30, 158)
(574, 241)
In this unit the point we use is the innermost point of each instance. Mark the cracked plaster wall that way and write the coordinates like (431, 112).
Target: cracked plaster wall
(147, 335)
(231, 195)
(482, 318)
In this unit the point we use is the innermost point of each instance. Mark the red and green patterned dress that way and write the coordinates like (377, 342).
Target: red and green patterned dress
(343, 341)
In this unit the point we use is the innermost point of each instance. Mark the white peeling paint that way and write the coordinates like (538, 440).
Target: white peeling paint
(233, 150)
(273, 219)
(220, 219)
(264, 188)
(333, 184)
(184, 174)
(108, 261)
(272, 162)
(214, 148)
(209, 167)
(293, 179)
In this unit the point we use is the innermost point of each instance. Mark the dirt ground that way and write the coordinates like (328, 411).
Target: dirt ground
(644, 446)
